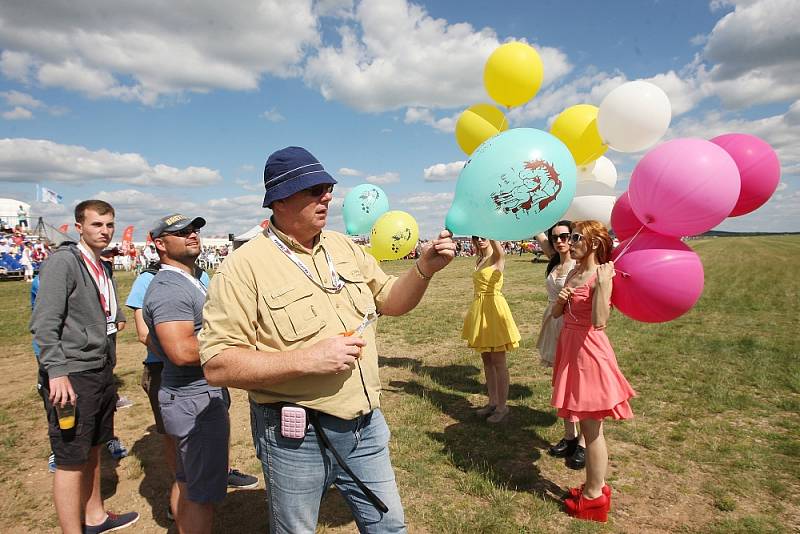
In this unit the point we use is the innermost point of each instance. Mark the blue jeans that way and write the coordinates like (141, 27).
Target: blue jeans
(298, 472)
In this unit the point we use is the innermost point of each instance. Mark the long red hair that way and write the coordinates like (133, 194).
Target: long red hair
(591, 230)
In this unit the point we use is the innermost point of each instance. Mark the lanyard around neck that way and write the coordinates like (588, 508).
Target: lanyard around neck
(103, 286)
(335, 280)
(186, 275)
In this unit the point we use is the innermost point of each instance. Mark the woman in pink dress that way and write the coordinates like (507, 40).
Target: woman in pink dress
(587, 383)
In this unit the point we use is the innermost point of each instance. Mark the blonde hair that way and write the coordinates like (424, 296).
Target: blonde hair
(591, 230)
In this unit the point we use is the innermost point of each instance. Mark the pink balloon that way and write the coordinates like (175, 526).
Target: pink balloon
(662, 280)
(759, 169)
(623, 220)
(684, 187)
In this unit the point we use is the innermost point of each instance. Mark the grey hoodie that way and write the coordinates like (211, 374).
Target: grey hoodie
(68, 322)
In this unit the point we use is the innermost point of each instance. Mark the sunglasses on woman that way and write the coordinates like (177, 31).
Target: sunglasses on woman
(320, 189)
(574, 238)
(561, 237)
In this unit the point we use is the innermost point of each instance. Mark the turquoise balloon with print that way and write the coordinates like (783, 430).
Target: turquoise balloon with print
(362, 207)
(515, 185)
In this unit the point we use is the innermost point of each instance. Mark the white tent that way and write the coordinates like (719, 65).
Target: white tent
(243, 238)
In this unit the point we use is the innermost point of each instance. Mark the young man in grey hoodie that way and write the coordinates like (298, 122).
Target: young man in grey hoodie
(74, 322)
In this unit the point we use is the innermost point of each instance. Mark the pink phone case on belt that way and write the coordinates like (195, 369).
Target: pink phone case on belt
(293, 422)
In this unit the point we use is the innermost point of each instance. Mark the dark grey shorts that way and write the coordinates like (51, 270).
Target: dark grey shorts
(200, 425)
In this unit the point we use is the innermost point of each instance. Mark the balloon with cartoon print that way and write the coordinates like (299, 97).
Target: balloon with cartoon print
(362, 207)
(394, 235)
(515, 185)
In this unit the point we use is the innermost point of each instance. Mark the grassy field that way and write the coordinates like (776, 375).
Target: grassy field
(714, 447)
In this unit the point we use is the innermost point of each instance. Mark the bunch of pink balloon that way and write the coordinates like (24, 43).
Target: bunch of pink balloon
(683, 187)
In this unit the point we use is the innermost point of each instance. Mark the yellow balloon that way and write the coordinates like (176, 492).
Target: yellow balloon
(513, 74)
(393, 235)
(477, 124)
(576, 127)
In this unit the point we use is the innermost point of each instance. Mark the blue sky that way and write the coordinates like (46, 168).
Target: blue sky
(163, 105)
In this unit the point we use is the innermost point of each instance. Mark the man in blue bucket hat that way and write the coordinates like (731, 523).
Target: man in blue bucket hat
(290, 317)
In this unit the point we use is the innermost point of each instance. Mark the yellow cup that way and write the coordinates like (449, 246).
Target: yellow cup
(66, 416)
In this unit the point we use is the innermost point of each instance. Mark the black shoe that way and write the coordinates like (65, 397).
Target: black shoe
(237, 479)
(578, 459)
(562, 449)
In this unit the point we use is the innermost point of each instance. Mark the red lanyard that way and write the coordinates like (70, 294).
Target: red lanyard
(102, 283)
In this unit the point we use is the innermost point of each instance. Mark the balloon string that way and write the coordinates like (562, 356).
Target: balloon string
(625, 249)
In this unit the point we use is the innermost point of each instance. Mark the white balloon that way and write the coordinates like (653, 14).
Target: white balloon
(586, 169)
(595, 207)
(634, 116)
(602, 171)
(584, 189)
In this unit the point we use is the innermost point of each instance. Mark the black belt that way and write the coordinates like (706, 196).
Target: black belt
(313, 416)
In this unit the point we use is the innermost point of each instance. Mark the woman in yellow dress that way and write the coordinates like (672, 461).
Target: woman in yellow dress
(489, 327)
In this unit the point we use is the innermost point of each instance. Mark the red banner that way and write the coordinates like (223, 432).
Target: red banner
(127, 238)
(63, 228)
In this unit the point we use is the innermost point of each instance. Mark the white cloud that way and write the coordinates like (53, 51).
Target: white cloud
(429, 210)
(443, 172)
(334, 8)
(699, 39)
(23, 103)
(249, 185)
(754, 55)
(17, 98)
(347, 171)
(273, 115)
(400, 56)
(383, 179)
(223, 216)
(589, 88)
(16, 65)
(18, 113)
(142, 51)
(35, 160)
(425, 116)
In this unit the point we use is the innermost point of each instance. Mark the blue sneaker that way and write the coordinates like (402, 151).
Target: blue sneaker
(51, 463)
(113, 522)
(117, 449)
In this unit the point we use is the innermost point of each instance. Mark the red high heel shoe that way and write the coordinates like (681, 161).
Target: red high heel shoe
(589, 509)
(575, 493)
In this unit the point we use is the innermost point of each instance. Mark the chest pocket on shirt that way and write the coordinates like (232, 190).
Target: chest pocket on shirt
(293, 313)
(356, 287)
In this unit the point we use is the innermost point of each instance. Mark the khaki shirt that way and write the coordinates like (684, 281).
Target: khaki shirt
(259, 299)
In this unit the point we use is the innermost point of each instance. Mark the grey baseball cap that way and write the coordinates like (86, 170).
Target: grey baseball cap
(175, 223)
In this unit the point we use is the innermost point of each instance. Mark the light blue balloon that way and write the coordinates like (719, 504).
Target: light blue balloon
(515, 185)
(362, 207)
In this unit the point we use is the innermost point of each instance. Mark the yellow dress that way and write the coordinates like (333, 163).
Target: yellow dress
(489, 326)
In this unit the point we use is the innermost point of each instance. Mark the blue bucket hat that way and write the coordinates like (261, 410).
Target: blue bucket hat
(290, 170)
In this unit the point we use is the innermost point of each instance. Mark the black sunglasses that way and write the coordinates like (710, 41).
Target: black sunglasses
(320, 189)
(186, 232)
(561, 237)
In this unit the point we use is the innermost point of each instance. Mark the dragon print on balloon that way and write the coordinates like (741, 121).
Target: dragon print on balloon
(530, 190)
(398, 238)
(368, 199)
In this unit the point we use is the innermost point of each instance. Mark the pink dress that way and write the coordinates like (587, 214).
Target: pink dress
(587, 383)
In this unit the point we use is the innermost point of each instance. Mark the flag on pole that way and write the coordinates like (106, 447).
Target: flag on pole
(63, 228)
(127, 239)
(48, 195)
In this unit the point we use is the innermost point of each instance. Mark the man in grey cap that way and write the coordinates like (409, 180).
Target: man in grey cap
(290, 317)
(194, 413)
